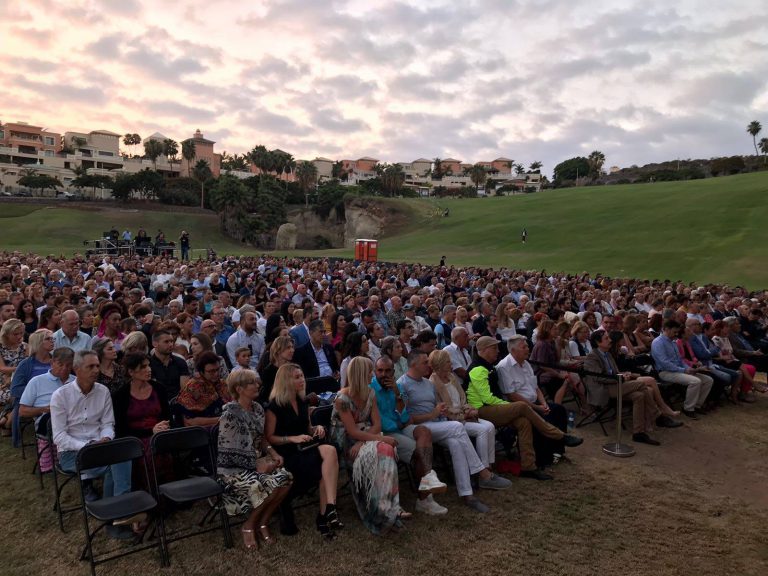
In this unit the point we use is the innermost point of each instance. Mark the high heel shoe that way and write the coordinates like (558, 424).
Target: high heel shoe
(322, 526)
(265, 536)
(332, 516)
(249, 538)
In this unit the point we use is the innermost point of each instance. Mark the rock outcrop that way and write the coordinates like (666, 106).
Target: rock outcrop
(286, 237)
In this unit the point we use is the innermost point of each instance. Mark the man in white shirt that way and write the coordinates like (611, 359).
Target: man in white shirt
(458, 349)
(246, 337)
(81, 414)
(69, 335)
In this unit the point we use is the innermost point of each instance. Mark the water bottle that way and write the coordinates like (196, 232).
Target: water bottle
(571, 421)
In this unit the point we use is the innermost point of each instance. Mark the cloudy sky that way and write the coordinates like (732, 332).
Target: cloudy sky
(642, 80)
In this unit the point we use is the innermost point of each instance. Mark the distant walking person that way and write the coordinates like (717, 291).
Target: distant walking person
(184, 241)
(524, 235)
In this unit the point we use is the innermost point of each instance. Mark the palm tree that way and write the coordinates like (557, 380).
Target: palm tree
(153, 149)
(202, 173)
(306, 175)
(392, 178)
(478, 175)
(754, 128)
(188, 153)
(763, 145)
(170, 151)
(536, 167)
(259, 157)
(519, 169)
(132, 140)
(437, 169)
(596, 160)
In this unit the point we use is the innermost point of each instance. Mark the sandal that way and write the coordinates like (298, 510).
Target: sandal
(332, 517)
(265, 536)
(403, 515)
(249, 538)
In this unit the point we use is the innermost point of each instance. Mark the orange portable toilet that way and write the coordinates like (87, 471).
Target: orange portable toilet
(366, 249)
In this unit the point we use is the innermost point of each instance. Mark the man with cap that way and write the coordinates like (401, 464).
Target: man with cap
(484, 394)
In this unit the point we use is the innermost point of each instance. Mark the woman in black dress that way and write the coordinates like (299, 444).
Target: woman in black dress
(311, 463)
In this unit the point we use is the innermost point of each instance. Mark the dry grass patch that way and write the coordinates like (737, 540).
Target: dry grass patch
(694, 506)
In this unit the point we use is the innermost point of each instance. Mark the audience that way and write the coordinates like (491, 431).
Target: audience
(124, 308)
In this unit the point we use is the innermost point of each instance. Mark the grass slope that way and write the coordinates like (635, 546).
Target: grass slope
(706, 231)
(56, 230)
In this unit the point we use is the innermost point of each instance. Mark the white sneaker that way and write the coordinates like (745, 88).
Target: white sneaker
(431, 483)
(429, 506)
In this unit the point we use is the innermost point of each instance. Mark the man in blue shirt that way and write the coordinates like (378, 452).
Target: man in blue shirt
(414, 443)
(672, 369)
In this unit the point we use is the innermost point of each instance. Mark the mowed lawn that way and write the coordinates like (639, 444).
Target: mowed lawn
(47, 229)
(713, 230)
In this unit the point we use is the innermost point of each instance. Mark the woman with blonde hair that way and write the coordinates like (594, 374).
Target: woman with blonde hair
(294, 437)
(249, 468)
(280, 353)
(356, 430)
(451, 393)
(13, 350)
(38, 362)
(507, 315)
(135, 343)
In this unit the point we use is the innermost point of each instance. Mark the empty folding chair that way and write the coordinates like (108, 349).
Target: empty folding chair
(112, 508)
(191, 489)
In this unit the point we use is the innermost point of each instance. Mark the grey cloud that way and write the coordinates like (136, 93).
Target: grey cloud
(161, 66)
(36, 65)
(188, 114)
(105, 47)
(275, 69)
(729, 88)
(334, 121)
(261, 120)
(348, 86)
(63, 91)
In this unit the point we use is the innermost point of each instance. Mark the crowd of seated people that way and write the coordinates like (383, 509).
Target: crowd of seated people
(422, 356)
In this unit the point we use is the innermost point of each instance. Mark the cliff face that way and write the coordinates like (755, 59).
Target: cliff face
(362, 218)
(366, 218)
(313, 232)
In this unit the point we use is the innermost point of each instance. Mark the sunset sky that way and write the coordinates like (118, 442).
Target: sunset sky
(532, 80)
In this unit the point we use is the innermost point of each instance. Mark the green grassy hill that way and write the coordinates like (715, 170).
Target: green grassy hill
(713, 230)
(47, 229)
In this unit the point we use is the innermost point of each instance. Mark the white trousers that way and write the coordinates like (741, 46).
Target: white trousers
(465, 460)
(484, 433)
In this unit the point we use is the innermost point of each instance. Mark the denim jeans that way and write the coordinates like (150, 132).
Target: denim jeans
(117, 477)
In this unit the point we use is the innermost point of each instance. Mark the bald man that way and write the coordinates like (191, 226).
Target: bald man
(69, 335)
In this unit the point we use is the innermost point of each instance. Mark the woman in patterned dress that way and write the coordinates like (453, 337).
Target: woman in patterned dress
(356, 430)
(250, 469)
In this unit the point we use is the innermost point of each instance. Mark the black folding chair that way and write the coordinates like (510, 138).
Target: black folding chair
(26, 424)
(190, 489)
(58, 474)
(120, 507)
(322, 384)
